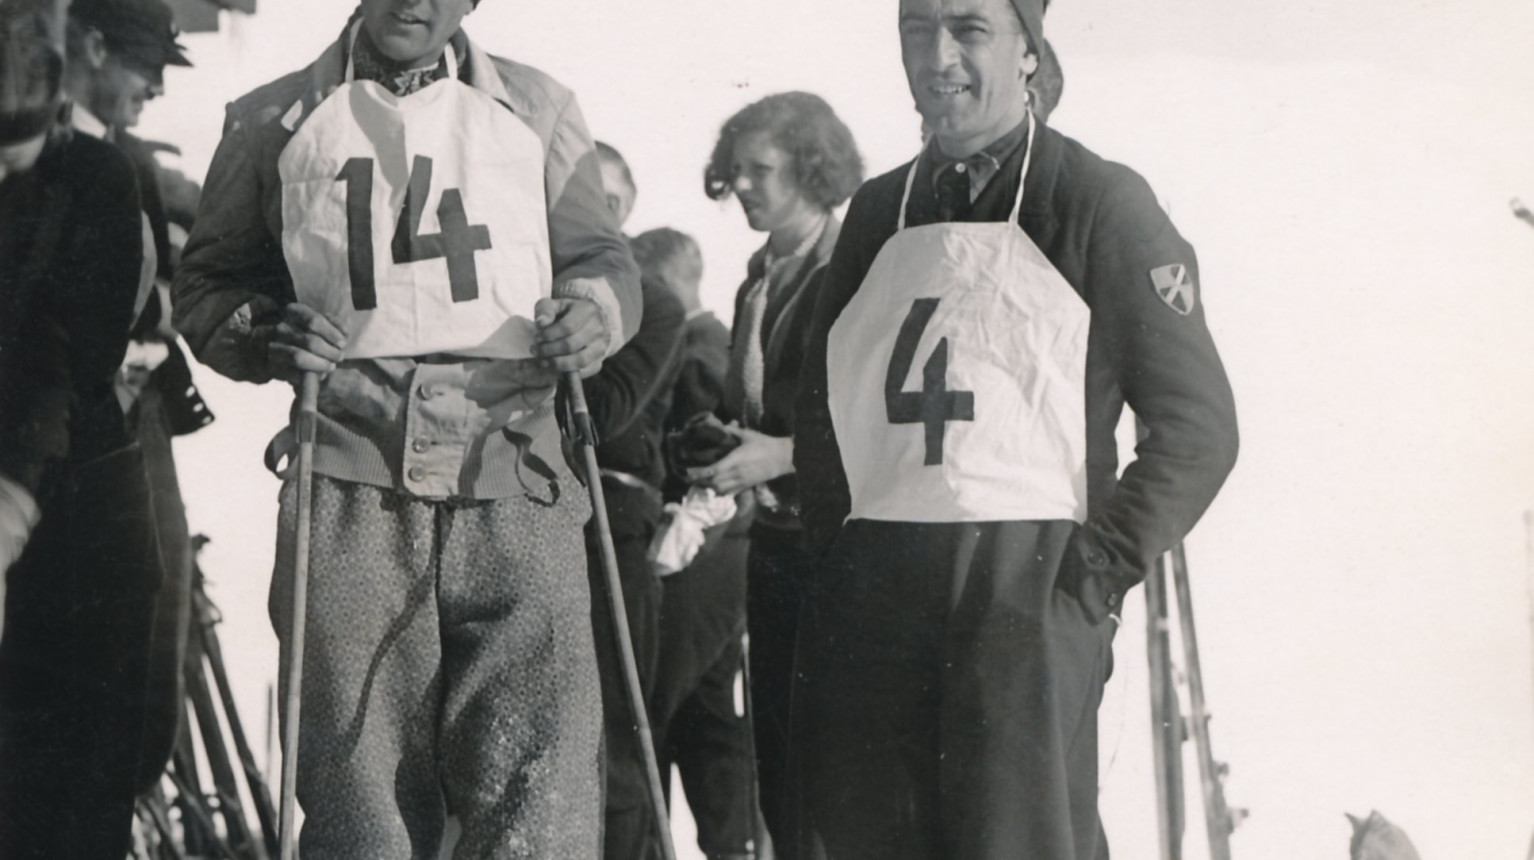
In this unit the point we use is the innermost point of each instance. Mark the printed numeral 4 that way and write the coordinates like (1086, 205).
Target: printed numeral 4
(934, 405)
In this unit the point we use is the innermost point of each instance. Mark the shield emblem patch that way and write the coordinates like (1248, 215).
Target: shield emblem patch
(1174, 286)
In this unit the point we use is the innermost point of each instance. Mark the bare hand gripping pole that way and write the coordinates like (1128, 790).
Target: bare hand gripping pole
(308, 398)
(585, 437)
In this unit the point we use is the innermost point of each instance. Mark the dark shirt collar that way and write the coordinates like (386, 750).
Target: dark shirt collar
(985, 163)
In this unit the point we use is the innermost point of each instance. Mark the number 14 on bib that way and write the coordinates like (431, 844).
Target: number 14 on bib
(456, 241)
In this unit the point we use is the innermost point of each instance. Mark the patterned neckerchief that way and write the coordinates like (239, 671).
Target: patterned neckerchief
(369, 64)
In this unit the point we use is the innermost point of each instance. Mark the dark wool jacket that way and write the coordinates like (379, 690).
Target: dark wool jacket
(630, 396)
(785, 332)
(70, 248)
(1100, 225)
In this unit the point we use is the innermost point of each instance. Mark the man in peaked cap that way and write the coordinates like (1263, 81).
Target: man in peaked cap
(118, 51)
(990, 310)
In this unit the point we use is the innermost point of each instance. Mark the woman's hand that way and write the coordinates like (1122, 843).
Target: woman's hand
(759, 459)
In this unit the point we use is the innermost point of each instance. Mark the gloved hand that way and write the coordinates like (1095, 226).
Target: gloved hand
(703, 441)
(572, 335)
(510, 387)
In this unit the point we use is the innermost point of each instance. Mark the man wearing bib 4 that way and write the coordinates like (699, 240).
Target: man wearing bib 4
(425, 225)
(990, 309)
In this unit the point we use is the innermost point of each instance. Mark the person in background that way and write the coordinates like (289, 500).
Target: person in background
(629, 399)
(617, 182)
(698, 726)
(790, 161)
(990, 310)
(77, 550)
(117, 54)
(450, 664)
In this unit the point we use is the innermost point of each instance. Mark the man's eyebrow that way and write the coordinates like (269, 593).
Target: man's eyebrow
(955, 18)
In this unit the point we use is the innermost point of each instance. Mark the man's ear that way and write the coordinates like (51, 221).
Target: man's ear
(1028, 65)
(95, 49)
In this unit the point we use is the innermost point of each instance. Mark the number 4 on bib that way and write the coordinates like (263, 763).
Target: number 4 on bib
(457, 239)
(934, 405)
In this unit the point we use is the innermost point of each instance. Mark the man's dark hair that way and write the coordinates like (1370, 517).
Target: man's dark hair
(826, 167)
(667, 255)
(610, 155)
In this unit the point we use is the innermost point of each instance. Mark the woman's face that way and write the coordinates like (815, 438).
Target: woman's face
(763, 180)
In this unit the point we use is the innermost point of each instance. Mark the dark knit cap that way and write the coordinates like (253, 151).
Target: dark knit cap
(1032, 14)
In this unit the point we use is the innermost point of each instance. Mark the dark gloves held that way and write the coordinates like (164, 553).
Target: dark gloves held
(703, 441)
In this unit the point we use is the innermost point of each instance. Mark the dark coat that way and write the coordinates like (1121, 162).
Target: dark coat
(785, 338)
(630, 396)
(80, 600)
(70, 249)
(1100, 225)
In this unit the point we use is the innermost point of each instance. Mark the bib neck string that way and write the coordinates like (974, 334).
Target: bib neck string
(1022, 181)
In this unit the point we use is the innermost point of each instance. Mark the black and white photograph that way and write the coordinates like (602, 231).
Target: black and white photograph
(766, 430)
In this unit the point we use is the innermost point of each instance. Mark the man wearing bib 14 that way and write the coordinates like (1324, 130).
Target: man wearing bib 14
(989, 311)
(425, 225)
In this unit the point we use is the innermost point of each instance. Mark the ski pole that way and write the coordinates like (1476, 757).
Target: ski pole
(308, 399)
(585, 437)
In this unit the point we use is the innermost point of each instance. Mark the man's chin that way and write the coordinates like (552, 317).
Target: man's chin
(400, 49)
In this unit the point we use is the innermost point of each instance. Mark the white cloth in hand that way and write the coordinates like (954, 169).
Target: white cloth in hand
(681, 537)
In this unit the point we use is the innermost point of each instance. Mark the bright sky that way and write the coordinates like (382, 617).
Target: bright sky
(1343, 169)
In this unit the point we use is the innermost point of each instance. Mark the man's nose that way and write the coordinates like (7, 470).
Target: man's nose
(943, 50)
(741, 183)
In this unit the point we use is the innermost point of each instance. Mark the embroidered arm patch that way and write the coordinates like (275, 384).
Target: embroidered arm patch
(1174, 285)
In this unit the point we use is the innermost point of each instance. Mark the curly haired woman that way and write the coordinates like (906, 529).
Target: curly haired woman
(790, 161)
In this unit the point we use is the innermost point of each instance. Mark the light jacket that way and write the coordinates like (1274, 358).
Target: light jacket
(401, 423)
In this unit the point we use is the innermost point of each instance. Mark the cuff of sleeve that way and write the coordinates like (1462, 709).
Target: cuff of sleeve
(237, 348)
(599, 293)
(1086, 574)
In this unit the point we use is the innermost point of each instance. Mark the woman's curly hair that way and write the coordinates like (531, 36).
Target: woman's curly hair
(826, 167)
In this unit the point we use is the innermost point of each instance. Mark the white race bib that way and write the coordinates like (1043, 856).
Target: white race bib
(418, 223)
(957, 379)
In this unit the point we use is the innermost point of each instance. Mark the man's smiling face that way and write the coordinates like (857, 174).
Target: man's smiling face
(967, 63)
(412, 32)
